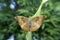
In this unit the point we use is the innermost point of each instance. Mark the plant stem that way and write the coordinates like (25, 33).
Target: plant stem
(38, 13)
(29, 36)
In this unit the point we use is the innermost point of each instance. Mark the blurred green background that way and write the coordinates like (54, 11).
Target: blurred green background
(50, 29)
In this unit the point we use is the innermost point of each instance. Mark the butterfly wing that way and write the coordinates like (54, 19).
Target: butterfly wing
(22, 22)
(36, 22)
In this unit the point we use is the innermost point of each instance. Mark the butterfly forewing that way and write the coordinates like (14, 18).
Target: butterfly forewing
(36, 22)
(22, 22)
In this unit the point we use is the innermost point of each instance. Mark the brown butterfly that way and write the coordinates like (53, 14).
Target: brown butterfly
(30, 24)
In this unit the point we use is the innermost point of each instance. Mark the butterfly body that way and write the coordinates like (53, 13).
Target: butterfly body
(30, 24)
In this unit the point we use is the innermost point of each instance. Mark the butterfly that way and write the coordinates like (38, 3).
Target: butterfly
(30, 24)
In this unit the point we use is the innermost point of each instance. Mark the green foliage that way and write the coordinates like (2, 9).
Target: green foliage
(50, 29)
